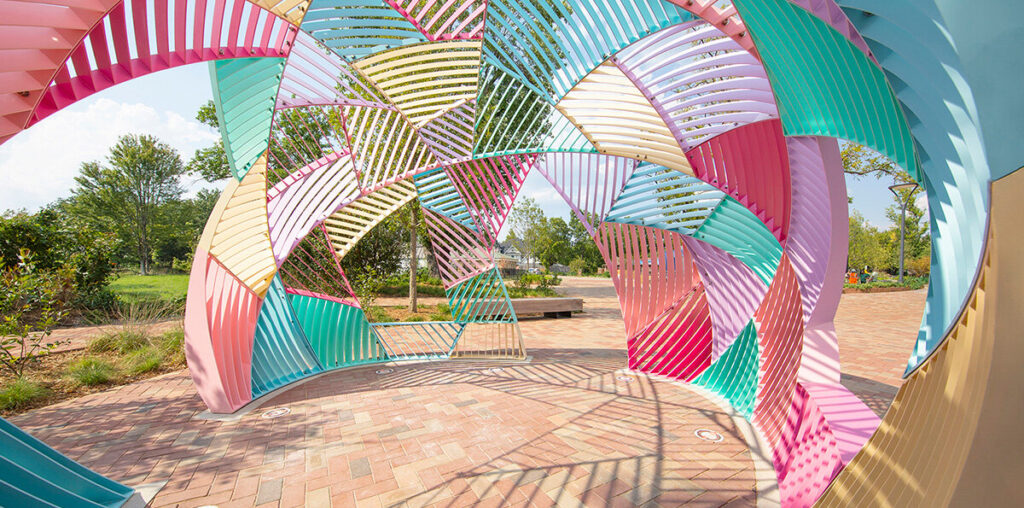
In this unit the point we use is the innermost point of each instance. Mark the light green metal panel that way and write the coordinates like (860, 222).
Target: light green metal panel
(824, 85)
(734, 374)
(339, 333)
(244, 91)
(736, 230)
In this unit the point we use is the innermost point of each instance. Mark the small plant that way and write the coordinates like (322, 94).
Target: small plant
(144, 360)
(91, 371)
(31, 303)
(577, 266)
(443, 313)
(415, 319)
(123, 341)
(20, 393)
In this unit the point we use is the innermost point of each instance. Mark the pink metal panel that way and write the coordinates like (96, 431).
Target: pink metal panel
(489, 187)
(751, 164)
(589, 183)
(452, 19)
(652, 270)
(852, 422)
(780, 340)
(220, 320)
(676, 344)
(460, 252)
(66, 88)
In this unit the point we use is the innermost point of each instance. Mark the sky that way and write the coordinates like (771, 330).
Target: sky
(38, 165)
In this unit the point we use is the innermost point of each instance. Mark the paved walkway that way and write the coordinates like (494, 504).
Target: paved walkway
(565, 429)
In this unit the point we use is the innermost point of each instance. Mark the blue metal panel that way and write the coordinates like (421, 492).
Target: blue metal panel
(357, 28)
(281, 353)
(663, 198)
(913, 47)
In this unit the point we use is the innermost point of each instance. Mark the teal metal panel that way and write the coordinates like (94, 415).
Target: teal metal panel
(664, 198)
(281, 353)
(823, 84)
(482, 298)
(358, 28)
(550, 46)
(733, 228)
(438, 194)
(513, 117)
(33, 474)
(734, 374)
(339, 334)
(244, 91)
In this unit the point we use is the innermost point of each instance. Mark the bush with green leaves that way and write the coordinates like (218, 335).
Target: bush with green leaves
(172, 346)
(32, 303)
(91, 371)
(20, 393)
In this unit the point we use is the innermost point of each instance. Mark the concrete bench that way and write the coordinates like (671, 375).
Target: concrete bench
(550, 307)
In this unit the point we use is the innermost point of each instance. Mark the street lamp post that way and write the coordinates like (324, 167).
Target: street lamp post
(910, 187)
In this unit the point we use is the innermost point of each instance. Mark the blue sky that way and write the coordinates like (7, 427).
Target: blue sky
(38, 166)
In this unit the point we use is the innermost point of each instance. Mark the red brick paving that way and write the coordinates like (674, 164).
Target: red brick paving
(563, 429)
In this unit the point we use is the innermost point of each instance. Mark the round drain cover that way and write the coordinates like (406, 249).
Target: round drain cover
(381, 372)
(276, 413)
(628, 379)
(494, 370)
(708, 435)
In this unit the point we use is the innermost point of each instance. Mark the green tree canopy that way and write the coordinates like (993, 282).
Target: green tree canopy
(125, 195)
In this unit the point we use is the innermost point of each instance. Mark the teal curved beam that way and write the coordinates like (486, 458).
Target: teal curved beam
(913, 47)
(824, 85)
(244, 91)
(281, 353)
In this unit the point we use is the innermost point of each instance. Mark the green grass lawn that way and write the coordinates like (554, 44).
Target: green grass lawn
(133, 288)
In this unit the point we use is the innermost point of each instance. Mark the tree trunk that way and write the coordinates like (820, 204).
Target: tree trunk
(413, 261)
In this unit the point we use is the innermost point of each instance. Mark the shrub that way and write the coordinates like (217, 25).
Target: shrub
(123, 341)
(32, 302)
(172, 346)
(91, 371)
(577, 266)
(20, 393)
(144, 360)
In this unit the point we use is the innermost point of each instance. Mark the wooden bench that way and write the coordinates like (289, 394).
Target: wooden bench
(549, 307)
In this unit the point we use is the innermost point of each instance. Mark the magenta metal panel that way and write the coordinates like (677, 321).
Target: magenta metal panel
(806, 458)
(461, 253)
(676, 344)
(220, 320)
(489, 187)
(751, 164)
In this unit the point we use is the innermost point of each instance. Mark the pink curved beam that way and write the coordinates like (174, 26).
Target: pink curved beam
(817, 247)
(220, 322)
(78, 77)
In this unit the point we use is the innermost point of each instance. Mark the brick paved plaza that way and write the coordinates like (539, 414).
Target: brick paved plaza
(566, 428)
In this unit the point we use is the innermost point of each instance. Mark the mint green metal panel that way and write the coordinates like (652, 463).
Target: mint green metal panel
(33, 474)
(734, 375)
(736, 230)
(824, 85)
(244, 91)
(339, 334)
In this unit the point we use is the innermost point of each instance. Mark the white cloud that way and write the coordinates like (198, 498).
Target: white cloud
(39, 165)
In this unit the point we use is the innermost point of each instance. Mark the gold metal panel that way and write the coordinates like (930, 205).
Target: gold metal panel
(291, 10)
(348, 225)
(619, 120)
(238, 234)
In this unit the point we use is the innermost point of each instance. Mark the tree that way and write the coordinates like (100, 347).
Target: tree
(583, 246)
(860, 160)
(527, 222)
(554, 243)
(126, 196)
(211, 162)
(179, 226)
(868, 246)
